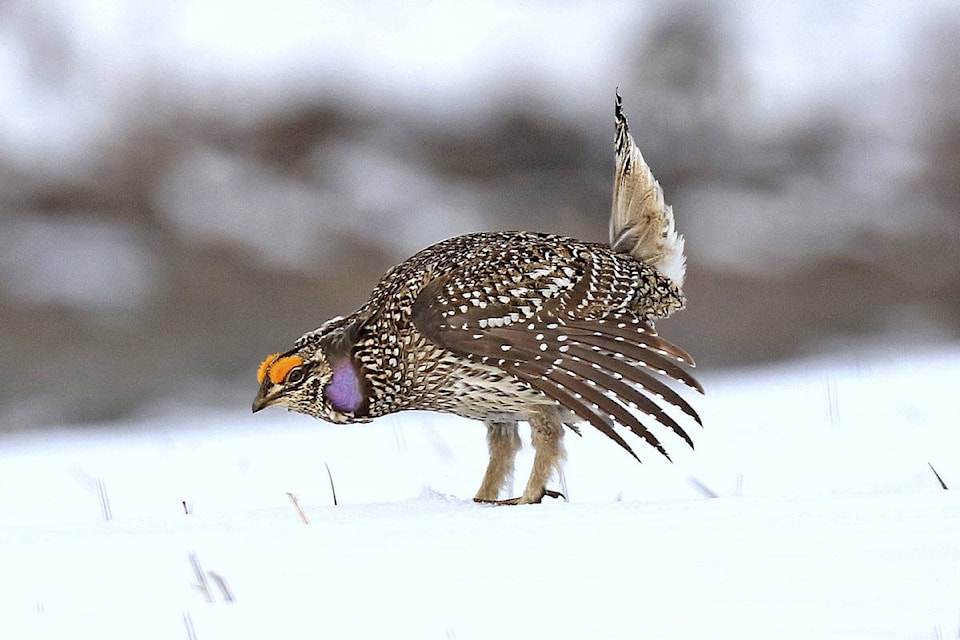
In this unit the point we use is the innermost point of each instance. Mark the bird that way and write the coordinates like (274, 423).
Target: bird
(514, 326)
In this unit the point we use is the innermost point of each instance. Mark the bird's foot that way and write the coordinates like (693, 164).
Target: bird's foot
(523, 500)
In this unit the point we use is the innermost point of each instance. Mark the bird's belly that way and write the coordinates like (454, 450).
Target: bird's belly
(484, 393)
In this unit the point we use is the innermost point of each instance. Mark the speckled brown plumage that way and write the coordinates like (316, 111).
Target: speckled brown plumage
(509, 326)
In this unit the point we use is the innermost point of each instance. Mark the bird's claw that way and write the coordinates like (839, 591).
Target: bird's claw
(519, 500)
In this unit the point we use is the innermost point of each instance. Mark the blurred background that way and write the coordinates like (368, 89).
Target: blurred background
(188, 186)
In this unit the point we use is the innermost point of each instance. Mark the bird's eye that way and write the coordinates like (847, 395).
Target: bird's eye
(295, 376)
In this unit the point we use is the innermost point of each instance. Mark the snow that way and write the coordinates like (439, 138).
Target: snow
(829, 523)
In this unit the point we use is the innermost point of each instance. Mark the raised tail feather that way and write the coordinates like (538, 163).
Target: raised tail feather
(641, 223)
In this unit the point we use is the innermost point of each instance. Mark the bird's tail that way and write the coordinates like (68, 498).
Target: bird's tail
(641, 223)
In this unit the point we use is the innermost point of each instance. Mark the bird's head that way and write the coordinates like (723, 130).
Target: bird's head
(318, 377)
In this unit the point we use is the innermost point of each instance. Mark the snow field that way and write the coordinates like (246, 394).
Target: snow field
(829, 523)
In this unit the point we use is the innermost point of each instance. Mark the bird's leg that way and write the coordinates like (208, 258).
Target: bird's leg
(503, 441)
(547, 434)
(547, 431)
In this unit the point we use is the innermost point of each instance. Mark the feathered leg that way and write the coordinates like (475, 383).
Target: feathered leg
(547, 431)
(503, 441)
(546, 428)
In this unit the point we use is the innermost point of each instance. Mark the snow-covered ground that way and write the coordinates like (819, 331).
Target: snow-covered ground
(829, 523)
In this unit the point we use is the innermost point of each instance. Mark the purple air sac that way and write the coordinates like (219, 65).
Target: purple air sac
(344, 392)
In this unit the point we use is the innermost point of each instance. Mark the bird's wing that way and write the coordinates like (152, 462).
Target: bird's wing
(551, 332)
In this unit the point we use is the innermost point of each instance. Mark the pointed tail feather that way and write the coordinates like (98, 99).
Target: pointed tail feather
(641, 223)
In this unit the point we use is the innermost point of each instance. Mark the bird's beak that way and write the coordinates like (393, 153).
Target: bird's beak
(262, 401)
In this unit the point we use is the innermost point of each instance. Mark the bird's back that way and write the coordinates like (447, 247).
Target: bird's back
(463, 325)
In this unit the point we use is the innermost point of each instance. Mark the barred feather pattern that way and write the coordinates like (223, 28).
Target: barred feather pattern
(514, 326)
(491, 325)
